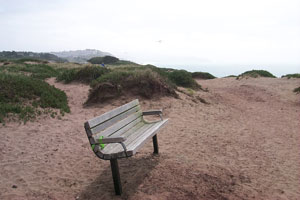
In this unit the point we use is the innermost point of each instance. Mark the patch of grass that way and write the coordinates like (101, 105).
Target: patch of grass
(256, 74)
(86, 74)
(291, 76)
(183, 78)
(23, 96)
(297, 90)
(137, 81)
(202, 75)
(23, 60)
(40, 71)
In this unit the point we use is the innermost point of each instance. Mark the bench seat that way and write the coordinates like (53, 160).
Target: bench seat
(134, 140)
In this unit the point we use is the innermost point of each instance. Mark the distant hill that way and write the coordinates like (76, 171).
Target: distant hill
(25, 54)
(80, 56)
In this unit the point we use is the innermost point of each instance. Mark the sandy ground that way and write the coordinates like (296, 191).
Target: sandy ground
(244, 144)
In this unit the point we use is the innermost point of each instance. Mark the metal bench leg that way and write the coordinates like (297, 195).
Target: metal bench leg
(116, 176)
(155, 144)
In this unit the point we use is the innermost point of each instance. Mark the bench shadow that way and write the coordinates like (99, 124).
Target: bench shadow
(133, 171)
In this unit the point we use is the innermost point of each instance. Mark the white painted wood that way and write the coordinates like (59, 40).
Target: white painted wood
(114, 120)
(117, 126)
(108, 115)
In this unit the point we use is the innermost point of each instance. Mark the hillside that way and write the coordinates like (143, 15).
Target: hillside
(80, 56)
(27, 54)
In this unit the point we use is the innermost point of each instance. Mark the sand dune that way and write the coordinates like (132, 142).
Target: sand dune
(244, 144)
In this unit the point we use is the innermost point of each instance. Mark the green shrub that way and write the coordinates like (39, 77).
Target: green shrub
(23, 60)
(40, 71)
(202, 75)
(230, 76)
(291, 76)
(67, 75)
(104, 60)
(183, 78)
(256, 74)
(86, 74)
(23, 96)
(297, 90)
(140, 81)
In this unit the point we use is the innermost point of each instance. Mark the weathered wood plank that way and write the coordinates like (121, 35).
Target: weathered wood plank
(109, 148)
(117, 126)
(114, 120)
(116, 151)
(113, 140)
(108, 115)
(140, 141)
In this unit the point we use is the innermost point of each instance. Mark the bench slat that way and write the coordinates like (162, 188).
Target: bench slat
(114, 120)
(139, 142)
(106, 116)
(117, 126)
(134, 142)
(138, 129)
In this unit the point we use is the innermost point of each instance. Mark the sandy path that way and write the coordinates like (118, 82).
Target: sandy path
(245, 144)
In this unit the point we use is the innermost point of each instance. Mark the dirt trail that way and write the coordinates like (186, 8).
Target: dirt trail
(245, 144)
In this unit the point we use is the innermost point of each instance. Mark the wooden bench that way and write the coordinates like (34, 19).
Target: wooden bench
(120, 133)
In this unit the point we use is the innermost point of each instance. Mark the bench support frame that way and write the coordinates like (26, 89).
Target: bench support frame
(155, 144)
(115, 168)
(116, 176)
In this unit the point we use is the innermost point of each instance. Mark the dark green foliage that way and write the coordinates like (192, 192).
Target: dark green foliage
(23, 60)
(40, 71)
(124, 62)
(104, 60)
(256, 74)
(23, 95)
(291, 76)
(183, 78)
(86, 74)
(297, 90)
(67, 75)
(230, 76)
(138, 81)
(202, 75)
(30, 55)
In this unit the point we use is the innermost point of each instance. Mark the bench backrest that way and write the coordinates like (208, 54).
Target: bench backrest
(114, 122)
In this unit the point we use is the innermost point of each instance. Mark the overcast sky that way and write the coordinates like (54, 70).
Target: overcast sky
(221, 37)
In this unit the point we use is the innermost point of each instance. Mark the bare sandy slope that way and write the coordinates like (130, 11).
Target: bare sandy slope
(244, 145)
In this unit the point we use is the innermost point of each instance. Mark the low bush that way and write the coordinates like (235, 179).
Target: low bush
(22, 95)
(104, 60)
(202, 75)
(23, 60)
(183, 78)
(230, 76)
(297, 90)
(86, 74)
(291, 76)
(256, 74)
(139, 81)
(40, 71)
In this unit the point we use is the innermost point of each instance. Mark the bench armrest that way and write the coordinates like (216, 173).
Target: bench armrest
(112, 140)
(152, 112)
